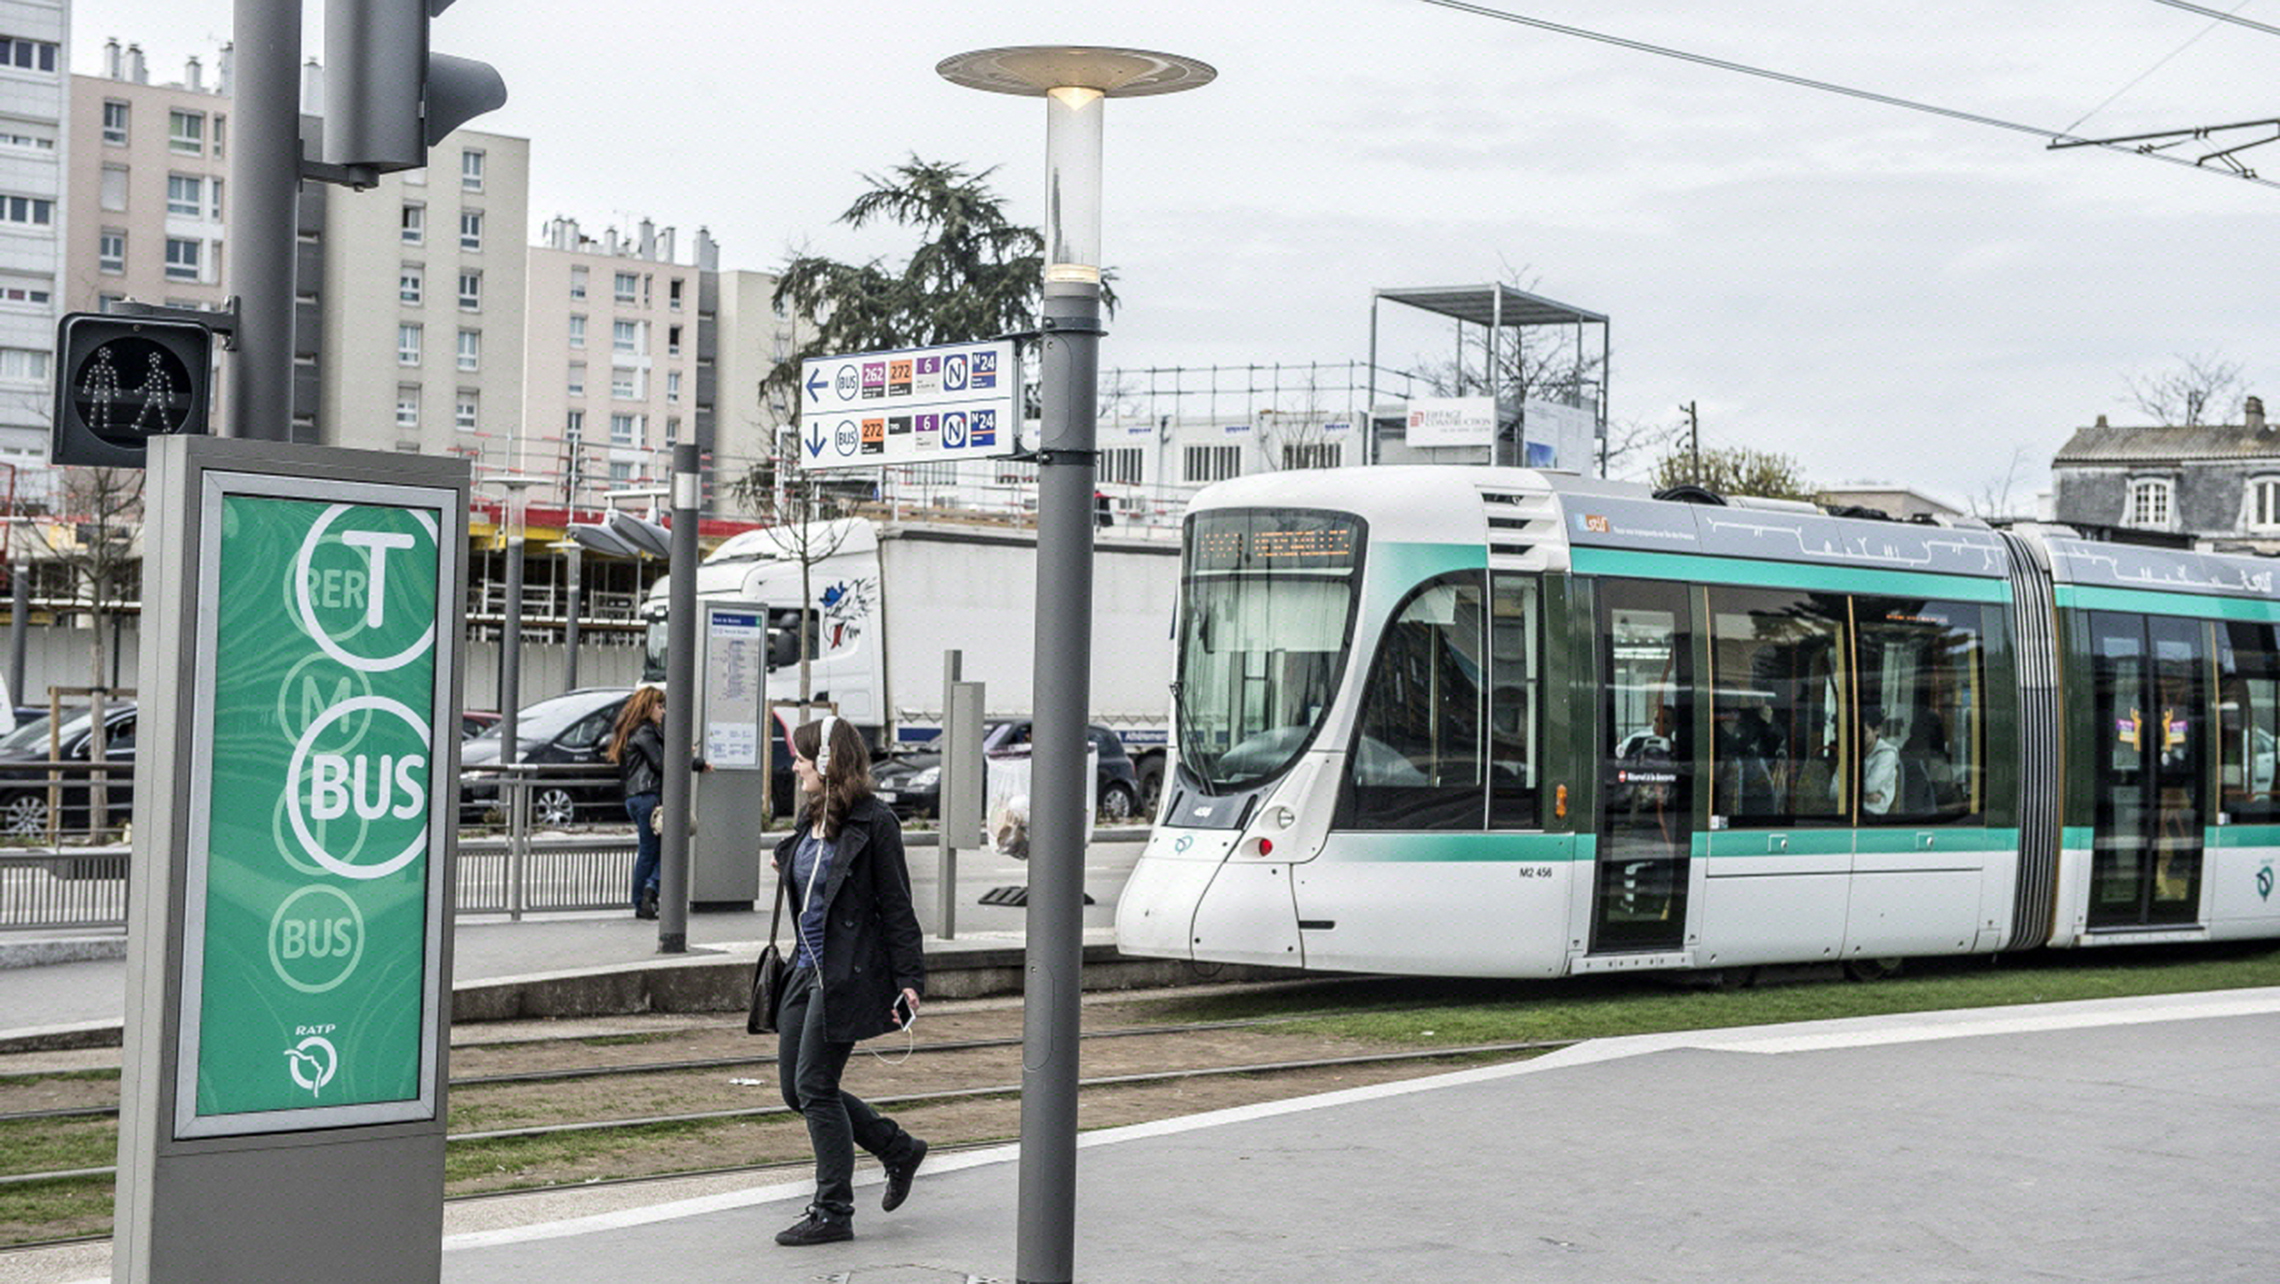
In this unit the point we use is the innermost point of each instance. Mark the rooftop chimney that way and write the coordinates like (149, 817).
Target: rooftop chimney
(225, 69)
(2252, 413)
(708, 251)
(665, 245)
(648, 239)
(136, 72)
(610, 242)
(2101, 421)
(194, 77)
(112, 63)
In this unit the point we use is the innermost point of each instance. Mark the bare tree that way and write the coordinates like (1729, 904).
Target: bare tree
(1995, 499)
(103, 509)
(1735, 470)
(806, 522)
(1634, 449)
(2182, 397)
(1546, 362)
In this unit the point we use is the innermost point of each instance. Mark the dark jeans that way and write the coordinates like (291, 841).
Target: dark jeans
(645, 842)
(808, 1066)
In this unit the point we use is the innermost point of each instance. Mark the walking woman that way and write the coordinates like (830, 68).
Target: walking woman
(637, 746)
(857, 971)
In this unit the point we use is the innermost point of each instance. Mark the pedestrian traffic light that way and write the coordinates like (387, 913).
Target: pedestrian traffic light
(387, 99)
(122, 380)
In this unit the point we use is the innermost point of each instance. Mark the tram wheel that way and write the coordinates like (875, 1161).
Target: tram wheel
(1872, 969)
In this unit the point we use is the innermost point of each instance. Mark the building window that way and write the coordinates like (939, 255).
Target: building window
(181, 259)
(2264, 502)
(1213, 463)
(114, 123)
(625, 430)
(672, 341)
(625, 385)
(621, 471)
(27, 211)
(415, 224)
(111, 250)
(221, 130)
(407, 405)
(1121, 464)
(471, 231)
(2149, 503)
(574, 427)
(31, 55)
(23, 365)
(577, 378)
(470, 349)
(185, 194)
(672, 431)
(673, 294)
(214, 198)
(625, 336)
(463, 411)
(411, 283)
(627, 287)
(114, 187)
(672, 385)
(577, 330)
(407, 345)
(1310, 454)
(471, 170)
(186, 132)
(577, 283)
(470, 291)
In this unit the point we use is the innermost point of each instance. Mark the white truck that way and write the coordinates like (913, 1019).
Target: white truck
(888, 598)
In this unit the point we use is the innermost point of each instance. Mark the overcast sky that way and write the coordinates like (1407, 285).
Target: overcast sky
(1883, 294)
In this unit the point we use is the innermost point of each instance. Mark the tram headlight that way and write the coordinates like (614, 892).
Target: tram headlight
(1281, 817)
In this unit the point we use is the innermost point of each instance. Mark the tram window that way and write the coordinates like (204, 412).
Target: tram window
(2248, 667)
(1920, 671)
(1512, 702)
(1779, 694)
(1418, 757)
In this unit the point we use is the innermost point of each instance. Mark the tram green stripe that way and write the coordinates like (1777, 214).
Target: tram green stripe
(2254, 610)
(1455, 848)
(1759, 842)
(2244, 836)
(1799, 575)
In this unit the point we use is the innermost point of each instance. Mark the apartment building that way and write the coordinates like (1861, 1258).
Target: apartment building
(620, 358)
(34, 139)
(755, 335)
(423, 320)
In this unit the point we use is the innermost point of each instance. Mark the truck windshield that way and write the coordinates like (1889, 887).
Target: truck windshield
(653, 651)
(1267, 603)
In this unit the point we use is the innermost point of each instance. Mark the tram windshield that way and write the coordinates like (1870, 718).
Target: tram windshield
(1267, 606)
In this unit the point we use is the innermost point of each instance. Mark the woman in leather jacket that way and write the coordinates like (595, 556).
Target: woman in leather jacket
(637, 746)
(857, 971)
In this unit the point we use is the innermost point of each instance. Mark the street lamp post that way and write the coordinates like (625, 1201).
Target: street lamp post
(1074, 81)
(510, 632)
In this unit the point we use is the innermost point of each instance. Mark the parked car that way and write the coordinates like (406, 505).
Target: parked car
(911, 783)
(572, 729)
(24, 772)
(474, 722)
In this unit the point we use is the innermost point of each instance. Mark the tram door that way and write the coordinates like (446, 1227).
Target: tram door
(1647, 766)
(2149, 675)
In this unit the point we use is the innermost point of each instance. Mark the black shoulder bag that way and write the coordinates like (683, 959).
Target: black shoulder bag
(768, 976)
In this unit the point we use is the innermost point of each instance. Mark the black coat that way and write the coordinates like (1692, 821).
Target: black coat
(641, 763)
(871, 939)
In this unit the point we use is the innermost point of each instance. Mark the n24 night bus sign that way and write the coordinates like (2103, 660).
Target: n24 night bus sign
(911, 406)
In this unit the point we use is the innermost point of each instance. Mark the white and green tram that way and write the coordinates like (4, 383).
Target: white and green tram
(1499, 722)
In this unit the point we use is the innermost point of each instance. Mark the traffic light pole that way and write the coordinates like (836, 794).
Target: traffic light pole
(265, 183)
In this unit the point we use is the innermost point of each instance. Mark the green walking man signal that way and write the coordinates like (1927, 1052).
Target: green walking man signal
(122, 380)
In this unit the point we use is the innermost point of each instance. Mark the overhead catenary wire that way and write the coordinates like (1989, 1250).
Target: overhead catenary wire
(1805, 82)
(2140, 78)
(2222, 16)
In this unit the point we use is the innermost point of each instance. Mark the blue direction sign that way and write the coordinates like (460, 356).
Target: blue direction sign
(870, 409)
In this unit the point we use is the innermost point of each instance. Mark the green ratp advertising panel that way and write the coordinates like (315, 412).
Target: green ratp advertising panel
(319, 814)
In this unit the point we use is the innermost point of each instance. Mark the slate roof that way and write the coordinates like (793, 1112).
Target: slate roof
(2107, 445)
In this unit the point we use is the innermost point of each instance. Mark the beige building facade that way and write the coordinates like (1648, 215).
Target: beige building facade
(423, 325)
(754, 337)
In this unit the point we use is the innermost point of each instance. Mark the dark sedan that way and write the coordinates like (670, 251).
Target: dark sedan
(24, 782)
(570, 730)
(912, 783)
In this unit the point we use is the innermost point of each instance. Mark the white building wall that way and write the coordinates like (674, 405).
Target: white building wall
(32, 102)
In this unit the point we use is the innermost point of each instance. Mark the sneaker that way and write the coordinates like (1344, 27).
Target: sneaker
(648, 906)
(899, 1175)
(817, 1227)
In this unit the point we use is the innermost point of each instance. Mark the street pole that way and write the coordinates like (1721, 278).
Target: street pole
(1074, 83)
(510, 628)
(575, 553)
(265, 183)
(680, 704)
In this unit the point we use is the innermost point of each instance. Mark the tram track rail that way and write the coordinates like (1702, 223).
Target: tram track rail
(908, 1099)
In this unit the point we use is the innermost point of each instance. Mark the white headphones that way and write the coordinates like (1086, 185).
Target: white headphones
(823, 748)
